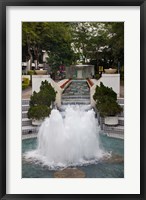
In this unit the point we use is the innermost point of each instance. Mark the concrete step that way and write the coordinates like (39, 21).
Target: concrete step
(29, 129)
(113, 129)
(121, 121)
(116, 135)
(29, 136)
(76, 97)
(26, 122)
(25, 101)
(121, 114)
(84, 107)
(77, 101)
(120, 100)
(25, 108)
(122, 105)
(24, 114)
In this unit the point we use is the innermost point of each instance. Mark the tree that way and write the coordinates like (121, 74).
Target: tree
(69, 42)
(54, 37)
(102, 42)
(106, 101)
(41, 101)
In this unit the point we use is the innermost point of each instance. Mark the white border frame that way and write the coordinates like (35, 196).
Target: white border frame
(128, 185)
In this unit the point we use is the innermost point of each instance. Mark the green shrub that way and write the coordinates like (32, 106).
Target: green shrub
(24, 86)
(25, 83)
(41, 100)
(97, 76)
(31, 72)
(38, 112)
(106, 101)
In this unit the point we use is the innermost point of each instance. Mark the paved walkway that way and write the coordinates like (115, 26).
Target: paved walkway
(121, 91)
(27, 93)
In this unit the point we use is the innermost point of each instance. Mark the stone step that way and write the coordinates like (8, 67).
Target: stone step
(121, 121)
(26, 122)
(75, 96)
(121, 114)
(120, 100)
(76, 101)
(25, 101)
(24, 114)
(116, 135)
(84, 107)
(29, 136)
(29, 129)
(113, 129)
(25, 107)
(122, 105)
(72, 93)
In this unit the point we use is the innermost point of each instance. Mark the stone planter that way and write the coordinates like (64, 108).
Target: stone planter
(36, 122)
(41, 72)
(111, 120)
(110, 71)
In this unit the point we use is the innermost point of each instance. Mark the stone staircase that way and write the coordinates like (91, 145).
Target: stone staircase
(27, 127)
(116, 131)
(77, 92)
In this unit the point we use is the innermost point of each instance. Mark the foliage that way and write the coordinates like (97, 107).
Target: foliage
(31, 72)
(100, 42)
(97, 76)
(71, 42)
(39, 112)
(106, 101)
(25, 83)
(24, 86)
(54, 37)
(122, 73)
(42, 99)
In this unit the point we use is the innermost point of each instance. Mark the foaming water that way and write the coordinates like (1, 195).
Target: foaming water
(68, 141)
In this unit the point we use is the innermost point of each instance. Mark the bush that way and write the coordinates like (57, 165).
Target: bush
(97, 76)
(25, 83)
(31, 72)
(106, 101)
(41, 101)
(39, 112)
(24, 86)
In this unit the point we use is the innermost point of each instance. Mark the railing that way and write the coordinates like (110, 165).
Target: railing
(64, 84)
(90, 83)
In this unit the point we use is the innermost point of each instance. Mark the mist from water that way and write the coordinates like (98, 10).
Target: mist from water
(68, 141)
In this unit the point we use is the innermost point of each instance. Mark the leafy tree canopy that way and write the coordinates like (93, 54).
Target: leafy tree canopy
(67, 42)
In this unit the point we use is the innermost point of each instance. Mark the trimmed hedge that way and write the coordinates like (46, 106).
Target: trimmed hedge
(106, 101)
(25, 83)
(41, 101)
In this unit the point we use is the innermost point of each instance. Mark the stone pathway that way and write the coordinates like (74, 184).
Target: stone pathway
(77, 92)
(27, 93)
(121, 91)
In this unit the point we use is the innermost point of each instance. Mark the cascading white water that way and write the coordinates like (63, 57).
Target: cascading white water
(68, 141)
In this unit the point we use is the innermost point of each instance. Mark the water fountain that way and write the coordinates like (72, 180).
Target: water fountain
(69, 141)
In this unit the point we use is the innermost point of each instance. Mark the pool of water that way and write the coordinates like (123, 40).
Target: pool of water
(112, 168)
